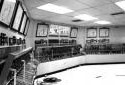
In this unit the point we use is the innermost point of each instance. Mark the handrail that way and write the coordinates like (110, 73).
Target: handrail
(13, 77)
(2, 61)
(9, 46)
(55, 46)
(20, 53)
(8, 62)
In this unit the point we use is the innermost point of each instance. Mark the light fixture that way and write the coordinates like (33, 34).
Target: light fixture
(55, 8)
(102, 22)
(85, 17)
(121, 4)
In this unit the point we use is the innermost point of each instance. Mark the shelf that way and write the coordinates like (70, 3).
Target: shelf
(56, 46)
(9, 46)
(2, 61)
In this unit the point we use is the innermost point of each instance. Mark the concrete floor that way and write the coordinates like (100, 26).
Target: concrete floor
(111, 74)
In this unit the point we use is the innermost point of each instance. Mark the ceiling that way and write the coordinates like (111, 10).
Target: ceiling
(101, 9)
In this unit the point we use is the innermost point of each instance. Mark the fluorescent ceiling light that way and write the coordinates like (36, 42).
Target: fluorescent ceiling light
(121, 4)
(102, 22)
(54, 8)
(85, 17)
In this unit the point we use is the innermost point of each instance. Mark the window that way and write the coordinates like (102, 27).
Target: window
(73, 33)
(7, 10)
(23, 24)
(17, 18)
(42, 30)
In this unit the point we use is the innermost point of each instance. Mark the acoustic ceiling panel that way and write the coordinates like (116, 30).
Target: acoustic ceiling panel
(49, 1)
(109, 8)
(94, 3)
(71, 4)
(40, 14)
(120, 17)
(91, 11)
(116, 0)
(102, 9)
(60, 18)
(33, 3)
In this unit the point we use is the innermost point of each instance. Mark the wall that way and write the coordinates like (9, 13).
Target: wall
(81, 36)
(117, 34)
(31, 37)
(9, 32)
(31, 34)
(52, 66)
(105, 58)
(12, 48)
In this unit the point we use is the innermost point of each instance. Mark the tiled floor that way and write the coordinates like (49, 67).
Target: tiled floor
(113, 74)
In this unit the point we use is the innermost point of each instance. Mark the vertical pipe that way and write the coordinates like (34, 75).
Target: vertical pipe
(15, 72)
(15, 77)
(24, 68)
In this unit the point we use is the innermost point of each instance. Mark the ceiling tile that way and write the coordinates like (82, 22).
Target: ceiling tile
(48, 1)
(30, 4)
(95, 2)
(73, 14)
(72, 23)
(88, 24)
(85, 23)
(63, 19)
(119, 23)
(120, 17)
(91, 11)
(116, 0)
(71, 4)
(59, 18)
(105, 17)
(40, 14)
(109, 8)
(113, 19)
(97, 8)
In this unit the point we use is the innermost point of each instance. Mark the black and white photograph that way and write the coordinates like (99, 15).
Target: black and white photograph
(104, 32)
(42, 30)
(17, 19)
(91, 32)
(7, 11)
(73, 33)
(27, 26)
(23, 24)
(62, 42)
(54, 30)
(64, 31)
